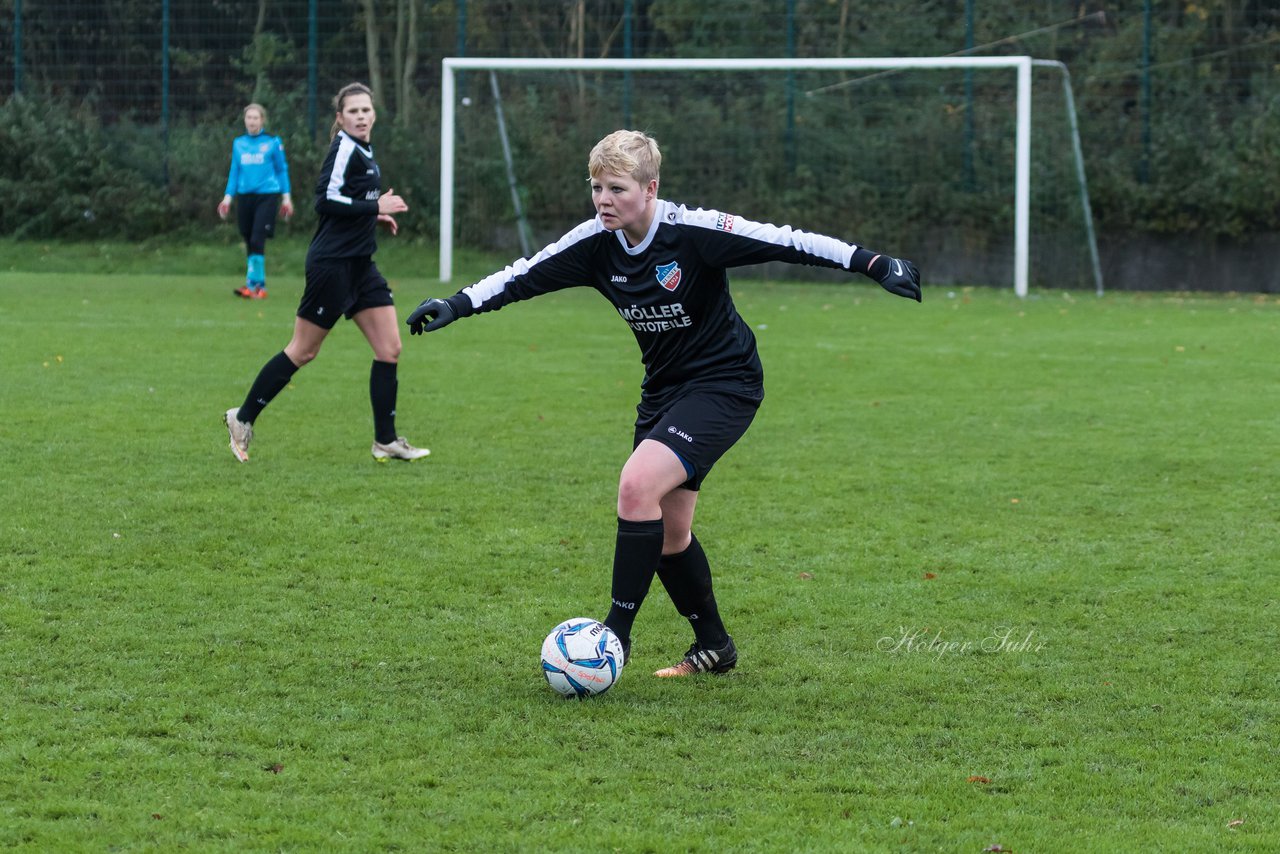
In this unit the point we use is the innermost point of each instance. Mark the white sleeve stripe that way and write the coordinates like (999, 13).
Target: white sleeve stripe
(818, 245)
(338, 175)
(490, 286)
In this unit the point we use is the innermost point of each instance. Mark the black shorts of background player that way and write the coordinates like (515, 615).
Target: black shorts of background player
(663, 267)
(342, 281)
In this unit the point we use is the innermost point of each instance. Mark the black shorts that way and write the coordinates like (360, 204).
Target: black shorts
(699, 427)
(342, 287)
(256, 216)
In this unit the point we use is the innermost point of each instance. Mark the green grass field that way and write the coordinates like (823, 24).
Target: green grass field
(1001, 572)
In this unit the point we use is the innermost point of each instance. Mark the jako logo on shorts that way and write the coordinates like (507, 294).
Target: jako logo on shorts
(676, 431)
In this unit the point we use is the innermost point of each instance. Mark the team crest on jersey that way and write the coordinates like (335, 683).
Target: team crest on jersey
(669, 275)
(724, 222)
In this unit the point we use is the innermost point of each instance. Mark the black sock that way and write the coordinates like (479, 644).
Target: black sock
(687, 577)
(382, 394)
(272, 379)
(635, 559)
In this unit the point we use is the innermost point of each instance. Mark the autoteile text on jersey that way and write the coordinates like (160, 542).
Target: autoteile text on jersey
(656, 318)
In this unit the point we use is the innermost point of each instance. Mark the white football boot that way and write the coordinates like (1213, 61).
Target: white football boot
(400, 449)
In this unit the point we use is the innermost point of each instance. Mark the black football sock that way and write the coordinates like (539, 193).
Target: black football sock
(382, 394)
(272, 379)
(635, 559)
(687, 577)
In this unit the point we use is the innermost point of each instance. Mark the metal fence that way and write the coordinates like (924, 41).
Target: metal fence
(1179, 103)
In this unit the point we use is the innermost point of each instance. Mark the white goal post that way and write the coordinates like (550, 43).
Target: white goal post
(1021, 65)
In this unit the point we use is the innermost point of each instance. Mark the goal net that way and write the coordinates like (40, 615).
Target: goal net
(936, 159)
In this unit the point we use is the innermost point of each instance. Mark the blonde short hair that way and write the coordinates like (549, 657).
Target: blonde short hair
(262, 111)
(626, 152)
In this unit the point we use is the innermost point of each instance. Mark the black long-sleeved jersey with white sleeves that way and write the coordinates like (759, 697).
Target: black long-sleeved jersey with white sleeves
(347, 194)
(672, 289)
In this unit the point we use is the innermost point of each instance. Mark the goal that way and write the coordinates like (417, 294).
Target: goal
(931, 157)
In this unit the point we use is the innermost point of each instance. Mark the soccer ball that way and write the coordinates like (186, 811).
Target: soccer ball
(582, 657)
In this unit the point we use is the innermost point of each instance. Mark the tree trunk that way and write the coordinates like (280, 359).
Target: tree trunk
(577, 34)
(580, 24)
(257, 49)
(397, 56)
(409, 67)
(844, 28)
(371, 49)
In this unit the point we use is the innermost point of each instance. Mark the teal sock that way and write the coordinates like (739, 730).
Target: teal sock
(257, 275)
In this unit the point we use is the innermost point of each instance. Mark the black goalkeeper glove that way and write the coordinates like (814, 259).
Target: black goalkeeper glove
(896, 276)
(439, 312)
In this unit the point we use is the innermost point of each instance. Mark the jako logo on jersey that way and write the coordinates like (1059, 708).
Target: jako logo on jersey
(669, 275)
(724, 222)
(676, 431)
(618, 280)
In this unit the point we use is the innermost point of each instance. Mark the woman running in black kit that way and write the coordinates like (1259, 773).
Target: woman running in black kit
(342, 280)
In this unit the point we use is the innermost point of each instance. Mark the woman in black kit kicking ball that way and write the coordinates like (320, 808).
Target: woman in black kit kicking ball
(663, 267)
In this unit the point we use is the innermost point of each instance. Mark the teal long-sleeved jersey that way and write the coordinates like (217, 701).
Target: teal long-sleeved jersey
(258, 165)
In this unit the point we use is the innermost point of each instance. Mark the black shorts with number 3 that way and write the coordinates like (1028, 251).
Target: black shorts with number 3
(699, 426)
(342, 287)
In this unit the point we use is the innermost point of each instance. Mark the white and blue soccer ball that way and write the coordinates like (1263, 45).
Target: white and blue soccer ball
(582, 657)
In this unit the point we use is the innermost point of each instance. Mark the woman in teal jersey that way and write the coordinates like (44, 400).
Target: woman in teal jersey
(259, 181)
